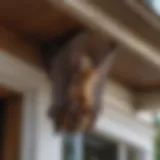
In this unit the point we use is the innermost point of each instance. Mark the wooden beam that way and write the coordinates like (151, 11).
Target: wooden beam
(18, 46)
(96, 19)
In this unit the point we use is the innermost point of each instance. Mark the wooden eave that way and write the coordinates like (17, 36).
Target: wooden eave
(28, 22)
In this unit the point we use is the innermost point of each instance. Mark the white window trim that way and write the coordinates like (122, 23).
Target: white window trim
(38, 140)
(122, 151)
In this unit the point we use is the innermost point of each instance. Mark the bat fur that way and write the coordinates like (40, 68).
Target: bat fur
(77, 81)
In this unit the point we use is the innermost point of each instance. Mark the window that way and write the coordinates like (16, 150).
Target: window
(96, 147)
(73, 147)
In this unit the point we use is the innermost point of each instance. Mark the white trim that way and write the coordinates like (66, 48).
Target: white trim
(18, 74)
(48, 144)
(38, 141)
(124, 126)
(117, 130)
(28, 131)
(122, 152)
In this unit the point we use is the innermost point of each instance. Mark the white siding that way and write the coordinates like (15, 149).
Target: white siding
(116, 119)
(119, 96)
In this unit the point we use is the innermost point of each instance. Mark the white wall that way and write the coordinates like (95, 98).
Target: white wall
(38, 139)
(119, 96)
(117, 119)
(48, 144)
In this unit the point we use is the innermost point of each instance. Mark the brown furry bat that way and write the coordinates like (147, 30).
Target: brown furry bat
(78, 82)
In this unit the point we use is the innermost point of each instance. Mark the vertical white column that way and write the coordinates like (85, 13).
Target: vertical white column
(122, 152)
(48, 144)
(148, 155)
(139, 154)
(28, 127)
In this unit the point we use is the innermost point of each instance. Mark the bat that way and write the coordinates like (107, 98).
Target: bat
(78, 82)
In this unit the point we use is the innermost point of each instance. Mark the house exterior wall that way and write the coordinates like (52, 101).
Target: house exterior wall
(39, 142)
(119, 120)
(116, 122)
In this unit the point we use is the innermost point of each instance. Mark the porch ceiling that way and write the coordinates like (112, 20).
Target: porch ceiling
(40, 20)
(34, 17)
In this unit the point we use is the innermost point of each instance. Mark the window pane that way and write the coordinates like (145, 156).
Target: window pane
(73, 147)
(99, 148)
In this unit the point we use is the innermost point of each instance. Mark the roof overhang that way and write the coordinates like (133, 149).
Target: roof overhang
(96, 17)
(137, 64)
